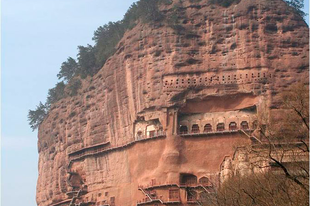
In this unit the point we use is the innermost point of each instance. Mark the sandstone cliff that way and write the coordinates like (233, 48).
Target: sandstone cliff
(132, 124)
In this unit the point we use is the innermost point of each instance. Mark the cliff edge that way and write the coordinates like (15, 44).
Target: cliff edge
(170, 104)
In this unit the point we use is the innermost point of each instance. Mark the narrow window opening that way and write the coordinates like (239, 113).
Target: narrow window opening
(220, 127)
(207, 128)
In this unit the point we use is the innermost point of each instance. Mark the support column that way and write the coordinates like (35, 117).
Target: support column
(175, 122)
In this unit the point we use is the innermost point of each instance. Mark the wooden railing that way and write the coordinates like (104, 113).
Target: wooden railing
(213, 132)
(155, 198)
(182, 185)
(75, 192)
(61, 202)
(146, 194)
(146, 201)
(96, 151)
(85, 149)
(155, 186)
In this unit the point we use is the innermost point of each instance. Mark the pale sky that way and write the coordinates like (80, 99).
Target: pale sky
(37, 36)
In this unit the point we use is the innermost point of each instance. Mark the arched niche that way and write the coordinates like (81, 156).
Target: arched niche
(150, 130)
(244, 125)
(233, 126)
(188, 179)
(139, 135)
(207, 128)
(183, 129)
(204, 181)
(220, 127)
(195, 128)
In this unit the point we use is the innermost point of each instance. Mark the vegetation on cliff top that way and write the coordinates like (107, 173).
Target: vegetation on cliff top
(90, 59)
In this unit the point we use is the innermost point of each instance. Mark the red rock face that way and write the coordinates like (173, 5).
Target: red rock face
(168, 107)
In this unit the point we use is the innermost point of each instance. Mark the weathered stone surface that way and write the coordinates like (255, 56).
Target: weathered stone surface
(223, 68)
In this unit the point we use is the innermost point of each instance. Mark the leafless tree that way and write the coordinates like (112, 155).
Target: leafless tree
(279, 158)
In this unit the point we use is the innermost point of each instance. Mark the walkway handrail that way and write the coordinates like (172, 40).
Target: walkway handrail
(250, 136)
(61, 202)
(160, 185)
(203, 187)
(74, 198)
(145, 193)
(212, 133)
(114, 148)
(154, 200)
(82, 150)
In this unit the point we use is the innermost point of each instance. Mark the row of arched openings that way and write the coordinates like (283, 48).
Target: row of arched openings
(244, 125)
(190, 179)
(222, 79)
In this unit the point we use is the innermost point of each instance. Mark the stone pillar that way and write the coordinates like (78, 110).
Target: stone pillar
(175, 123)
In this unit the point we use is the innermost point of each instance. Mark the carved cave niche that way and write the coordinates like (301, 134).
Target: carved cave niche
(112, 201)
(139, 135)
(185, 124)
(233, 126)
(244, 125)
(255, 124)
(220, 127)
(148, 129)
(195, 128)
(76, 181)
(188, 179)
(183, 129)
(190, 80)
(140, 129)
(207, 128)
(204, 181)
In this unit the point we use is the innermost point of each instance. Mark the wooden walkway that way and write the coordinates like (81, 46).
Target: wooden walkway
(203, 134)
(92, 152)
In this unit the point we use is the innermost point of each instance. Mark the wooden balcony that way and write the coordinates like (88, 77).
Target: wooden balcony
(91, 151)
(212, 133)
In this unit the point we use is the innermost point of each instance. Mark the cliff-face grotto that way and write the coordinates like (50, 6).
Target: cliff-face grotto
(169, 111)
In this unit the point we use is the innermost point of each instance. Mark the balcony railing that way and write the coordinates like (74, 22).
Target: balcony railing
(159, 185)
(89, 148)
(181, 185)
(95, 151)
(147, 200)
(195, 133)
(61, 202)
(152, 197)
(159, 133)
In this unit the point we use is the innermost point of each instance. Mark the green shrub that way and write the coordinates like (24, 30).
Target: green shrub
(86, 61)
(298, 6)
(166, 2)
(106, 38)
(56, 93)
(174, 18)
(68, 69)
(36, 117)
(74, 86)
